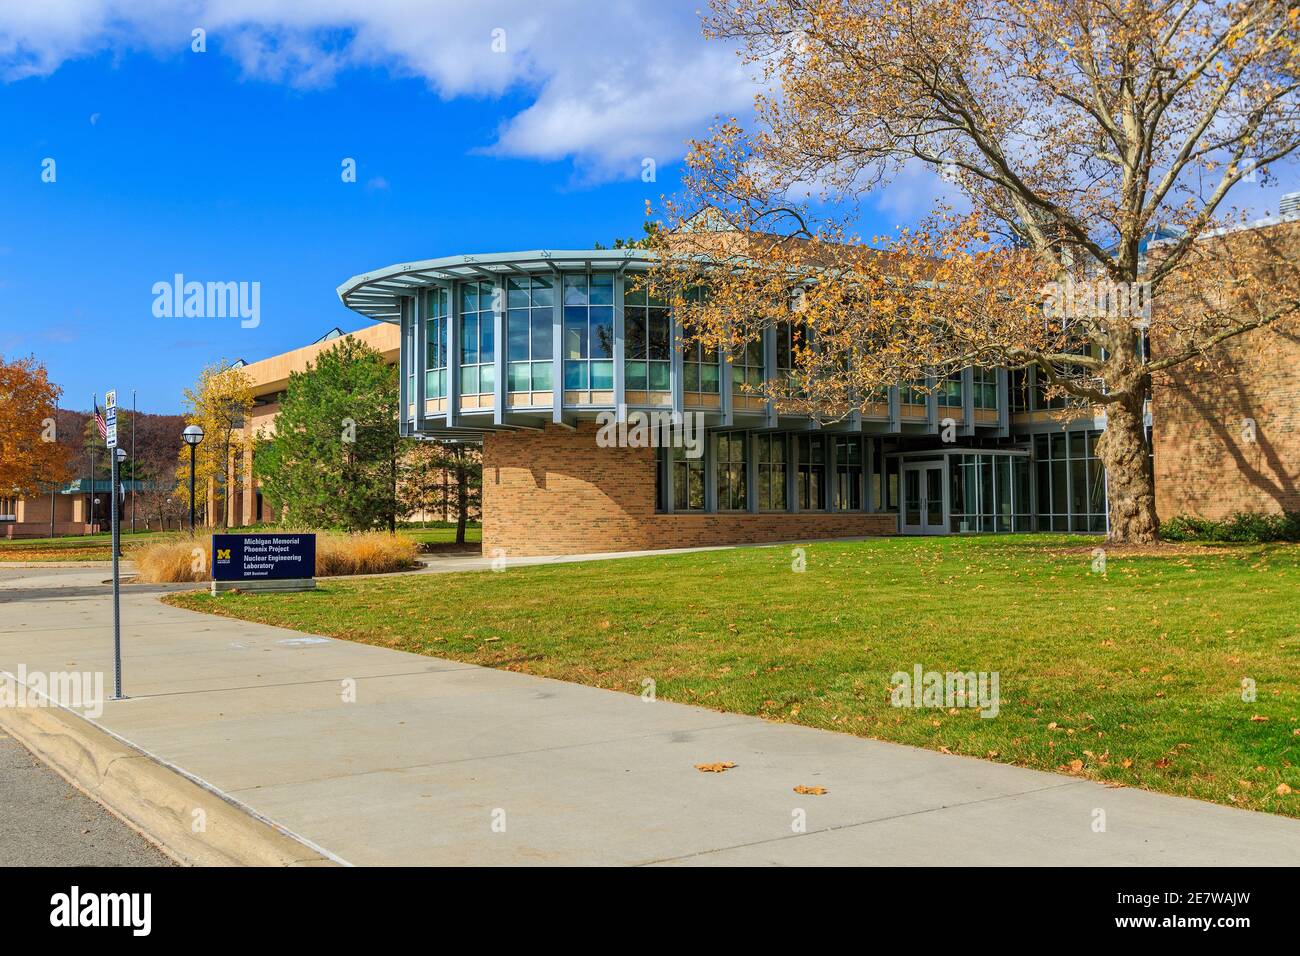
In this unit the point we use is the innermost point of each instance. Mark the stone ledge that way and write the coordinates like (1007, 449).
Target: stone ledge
(268, 586)
(152, 798)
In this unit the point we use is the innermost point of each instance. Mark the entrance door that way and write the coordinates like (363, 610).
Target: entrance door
(924, 508)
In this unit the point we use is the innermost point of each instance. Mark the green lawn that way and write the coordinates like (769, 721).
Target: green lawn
(85, 547)
(1133, 676)
(98, 547)
(436, 538)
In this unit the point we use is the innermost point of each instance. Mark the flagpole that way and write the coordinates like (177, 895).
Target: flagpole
(135, 475)
(94, 406)
(52, 486)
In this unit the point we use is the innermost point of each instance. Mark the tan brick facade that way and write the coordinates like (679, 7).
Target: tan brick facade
(1205, 461)
(558, 492)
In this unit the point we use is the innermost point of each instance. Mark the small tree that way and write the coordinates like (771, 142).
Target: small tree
(32, 459)
(219, 403)
(1072, 130)
(442, 476)
(334, 458)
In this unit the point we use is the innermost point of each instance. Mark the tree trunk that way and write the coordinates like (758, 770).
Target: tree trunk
(392, 511)
(462, 493)
(1130, 484)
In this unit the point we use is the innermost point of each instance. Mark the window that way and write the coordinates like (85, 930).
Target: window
(647, 341)
(747, 368)
(731, 472)
(1071, 482)
(848, 474)
(662, 463)
(912, 394)
(477, 373)
(530, 317)
(436, 302)
(884, 475)
(985, 388)
(1019, 388)
(771, 472)
(688, 481)
(699, 369)
(950, 390)
(990, 493)
(788, 338)
(811, 472)
(588, 331)
(408, 352)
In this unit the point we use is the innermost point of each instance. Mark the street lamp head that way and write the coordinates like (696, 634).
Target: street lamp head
(193, 434)
(121, 455)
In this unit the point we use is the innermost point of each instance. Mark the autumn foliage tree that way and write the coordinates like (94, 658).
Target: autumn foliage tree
(31, 457)
(218, 403)
(1069, 131)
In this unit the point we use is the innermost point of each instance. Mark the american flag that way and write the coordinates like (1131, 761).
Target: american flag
(99, 421)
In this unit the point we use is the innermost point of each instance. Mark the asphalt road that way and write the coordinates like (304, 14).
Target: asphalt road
(44, 821)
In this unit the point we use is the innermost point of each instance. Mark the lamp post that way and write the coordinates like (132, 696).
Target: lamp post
(119, 456)
(192, 435)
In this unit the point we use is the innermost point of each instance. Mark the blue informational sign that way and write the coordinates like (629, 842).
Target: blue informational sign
(263, 557)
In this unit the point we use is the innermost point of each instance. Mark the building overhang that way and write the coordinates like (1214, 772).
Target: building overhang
(377, 294)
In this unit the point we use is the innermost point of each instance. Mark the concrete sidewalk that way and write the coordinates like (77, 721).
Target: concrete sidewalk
(439, 762)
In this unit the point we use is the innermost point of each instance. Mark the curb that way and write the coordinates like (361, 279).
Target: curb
(87, 565)
(155, 799)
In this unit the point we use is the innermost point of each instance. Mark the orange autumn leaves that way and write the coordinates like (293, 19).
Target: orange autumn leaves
(722, 766)
(31, 457)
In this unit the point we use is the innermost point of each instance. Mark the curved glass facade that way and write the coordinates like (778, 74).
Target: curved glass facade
(529, 340)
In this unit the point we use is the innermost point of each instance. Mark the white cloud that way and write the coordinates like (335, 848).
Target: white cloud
(610, 82)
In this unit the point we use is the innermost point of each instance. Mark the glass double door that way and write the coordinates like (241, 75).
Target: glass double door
(923, 498)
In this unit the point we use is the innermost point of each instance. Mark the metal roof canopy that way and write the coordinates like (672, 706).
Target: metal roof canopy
(376, 294)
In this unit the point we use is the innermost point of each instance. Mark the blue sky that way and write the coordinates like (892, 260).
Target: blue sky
(476, 126)
(225, 166)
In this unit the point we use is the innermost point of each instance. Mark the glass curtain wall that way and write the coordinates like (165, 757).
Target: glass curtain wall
(588, 331)
(989, 493)
(1071, 481)
(647, 342)
(436, 307)
(477, 349)
(530, 316)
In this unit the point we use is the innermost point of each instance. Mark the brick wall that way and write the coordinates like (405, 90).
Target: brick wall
(1205, 462)
(557, 492)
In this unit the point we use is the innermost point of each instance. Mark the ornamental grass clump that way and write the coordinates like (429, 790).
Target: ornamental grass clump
(183, 559)
(172, 559)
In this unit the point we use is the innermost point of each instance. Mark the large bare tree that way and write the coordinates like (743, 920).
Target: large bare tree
(1072, 132)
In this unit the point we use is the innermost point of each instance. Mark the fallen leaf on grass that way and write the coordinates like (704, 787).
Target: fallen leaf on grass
(1283, 790)
(815, 791)
(719, 767)
(1258, 718)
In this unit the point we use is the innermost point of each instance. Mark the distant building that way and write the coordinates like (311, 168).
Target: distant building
(78, 507)
(270, 378)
